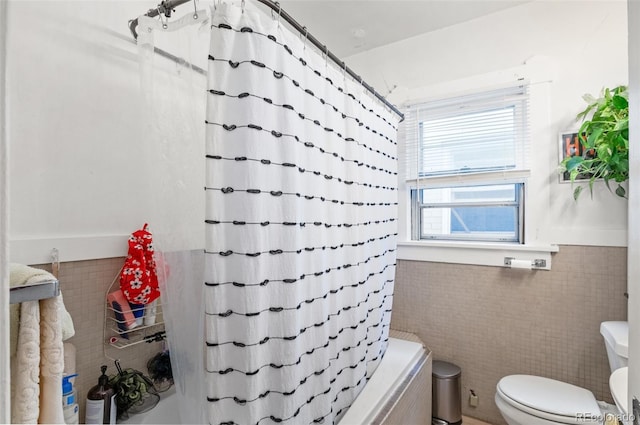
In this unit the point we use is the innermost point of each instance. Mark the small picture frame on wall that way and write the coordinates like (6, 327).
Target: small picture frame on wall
(570, 146)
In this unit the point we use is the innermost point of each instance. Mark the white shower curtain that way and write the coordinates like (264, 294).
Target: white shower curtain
(301, 214)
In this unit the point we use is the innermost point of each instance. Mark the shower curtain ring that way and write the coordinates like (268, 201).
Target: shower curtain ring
(195, 10)
(304, 45)
(344, 73)
(279, 13)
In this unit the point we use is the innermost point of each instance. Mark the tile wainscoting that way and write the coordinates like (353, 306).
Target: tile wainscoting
(84, 285)
(494, 321)
(491, 321)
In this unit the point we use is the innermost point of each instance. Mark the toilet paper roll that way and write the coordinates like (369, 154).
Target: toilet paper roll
(521, 264)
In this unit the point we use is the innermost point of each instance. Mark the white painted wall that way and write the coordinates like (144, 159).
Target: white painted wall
(84, 173)
(556, 40)
(5, 375)
(633, 252)
(77, 181)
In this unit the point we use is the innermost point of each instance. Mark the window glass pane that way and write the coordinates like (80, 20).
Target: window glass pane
(488, 212)
(435, 221)
(483, 219)
(503, 193)
(490, 193)
(479, 223)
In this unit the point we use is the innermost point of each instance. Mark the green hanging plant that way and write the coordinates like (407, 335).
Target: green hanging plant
(605, 142)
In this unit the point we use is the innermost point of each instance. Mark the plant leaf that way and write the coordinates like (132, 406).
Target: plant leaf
(621, 125)
(604, 137)
(594, 136)
(574, 162)
(620, 102)
(576, 192)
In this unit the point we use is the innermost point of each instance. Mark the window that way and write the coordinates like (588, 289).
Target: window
(480, 213)
(466, 164)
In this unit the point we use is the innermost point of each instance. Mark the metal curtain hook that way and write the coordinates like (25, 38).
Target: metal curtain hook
(164, 23)
(195, 10)
(55, 262)
(242, 6)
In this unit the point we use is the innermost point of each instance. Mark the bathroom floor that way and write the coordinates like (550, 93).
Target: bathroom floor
(471, 421)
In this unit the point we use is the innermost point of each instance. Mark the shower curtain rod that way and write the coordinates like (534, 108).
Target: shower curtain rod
(166, 7)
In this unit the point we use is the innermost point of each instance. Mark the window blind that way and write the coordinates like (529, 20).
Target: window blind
(467, 135)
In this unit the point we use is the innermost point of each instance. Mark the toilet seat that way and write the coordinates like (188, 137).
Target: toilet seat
(550, 399)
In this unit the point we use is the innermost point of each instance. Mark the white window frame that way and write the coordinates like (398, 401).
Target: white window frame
(431, 172)
(536, 189)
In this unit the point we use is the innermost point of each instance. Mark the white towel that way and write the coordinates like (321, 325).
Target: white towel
(38, 364)
(39, 360)
(51, 362)
(25, 367)
(21, 275)
(66, 321)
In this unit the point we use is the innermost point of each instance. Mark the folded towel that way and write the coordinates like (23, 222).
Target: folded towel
(21, 275)
(51, 362)
(68, 329)
(39, 360)
(38, 365)
(25, 367)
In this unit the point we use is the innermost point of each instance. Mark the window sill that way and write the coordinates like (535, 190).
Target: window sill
(475, 253)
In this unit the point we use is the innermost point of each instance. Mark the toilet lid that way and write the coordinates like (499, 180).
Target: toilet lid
(551, 397)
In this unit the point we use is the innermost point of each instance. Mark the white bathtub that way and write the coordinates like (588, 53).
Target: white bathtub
(402, 361)
(165, 412)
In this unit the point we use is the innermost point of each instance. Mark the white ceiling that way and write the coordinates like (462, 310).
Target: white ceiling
(349, 27)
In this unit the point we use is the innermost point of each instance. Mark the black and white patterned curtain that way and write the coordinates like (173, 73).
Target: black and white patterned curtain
(301, 217)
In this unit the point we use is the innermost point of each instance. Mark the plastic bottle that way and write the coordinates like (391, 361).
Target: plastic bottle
(101, 403)
(69, 406)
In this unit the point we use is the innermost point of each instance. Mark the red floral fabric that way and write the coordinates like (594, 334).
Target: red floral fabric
(138, 279)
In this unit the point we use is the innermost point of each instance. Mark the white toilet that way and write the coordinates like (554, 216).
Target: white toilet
(619, 384)
(534, 400)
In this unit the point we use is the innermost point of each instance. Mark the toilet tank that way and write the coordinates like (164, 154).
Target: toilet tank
(616, 340)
